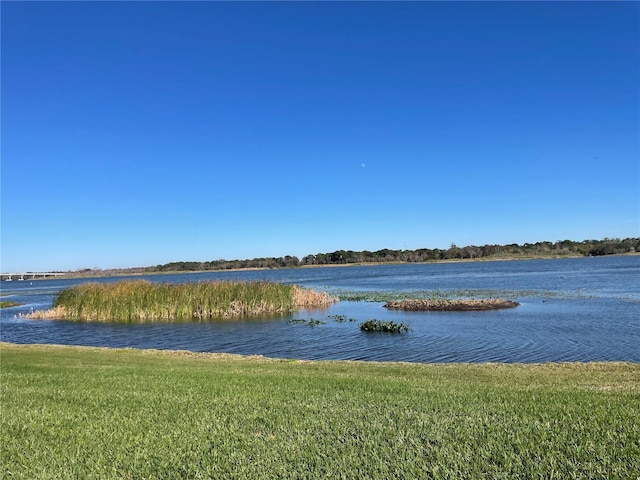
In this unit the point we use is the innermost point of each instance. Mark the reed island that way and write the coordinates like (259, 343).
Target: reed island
(144, 301)
(458, 305)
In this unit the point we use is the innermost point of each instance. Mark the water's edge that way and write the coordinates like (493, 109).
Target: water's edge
(571, 310)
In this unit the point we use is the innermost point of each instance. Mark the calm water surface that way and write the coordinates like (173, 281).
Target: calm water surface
(583, 309)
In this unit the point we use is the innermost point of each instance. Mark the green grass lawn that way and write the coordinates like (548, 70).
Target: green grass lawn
(71, 412)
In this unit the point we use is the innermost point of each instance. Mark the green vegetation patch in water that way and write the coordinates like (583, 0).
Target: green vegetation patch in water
(398, 295)
(341, 318)
(309, 323)
(7, 304)
(142, 301)
(383, 326)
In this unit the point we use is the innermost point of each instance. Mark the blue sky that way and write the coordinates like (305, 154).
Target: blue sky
(139, 133)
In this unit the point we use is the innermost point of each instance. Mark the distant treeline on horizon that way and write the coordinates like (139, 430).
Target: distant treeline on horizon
(607, 246)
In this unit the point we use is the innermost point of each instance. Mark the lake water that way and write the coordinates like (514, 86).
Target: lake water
(583, 309)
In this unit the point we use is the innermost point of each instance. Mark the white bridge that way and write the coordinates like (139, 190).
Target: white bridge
(9, 277)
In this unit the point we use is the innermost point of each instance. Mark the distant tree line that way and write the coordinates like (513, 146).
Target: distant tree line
(268, 262)
(607, 246)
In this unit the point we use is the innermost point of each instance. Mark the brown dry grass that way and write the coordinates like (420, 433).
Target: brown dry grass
(58, 312)
(451, 305)
(304, 298)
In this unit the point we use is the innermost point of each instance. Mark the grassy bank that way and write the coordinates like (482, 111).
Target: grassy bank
(142, 301)
(96, 413)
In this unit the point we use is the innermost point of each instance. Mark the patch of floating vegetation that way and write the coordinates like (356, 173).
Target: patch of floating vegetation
(341, 318)
(383, 326)
(309, 323)
(7, 304)
(312, 322)
(459, 305)
(392, 296)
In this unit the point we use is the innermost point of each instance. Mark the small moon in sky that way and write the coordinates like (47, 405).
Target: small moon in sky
(363, 165)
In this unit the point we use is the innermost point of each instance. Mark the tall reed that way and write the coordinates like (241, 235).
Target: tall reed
(142, 301)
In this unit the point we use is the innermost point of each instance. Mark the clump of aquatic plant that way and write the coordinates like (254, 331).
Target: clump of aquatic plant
(141, 301)
(308, 298)
(51, 314)
(341, 318)
(449, 294)
(300, 321)
(383, 326)
(7, 304)
(309, 323)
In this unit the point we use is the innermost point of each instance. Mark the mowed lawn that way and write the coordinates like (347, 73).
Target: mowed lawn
(71, 412)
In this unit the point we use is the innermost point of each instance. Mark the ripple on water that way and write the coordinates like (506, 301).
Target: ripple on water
(570, 310)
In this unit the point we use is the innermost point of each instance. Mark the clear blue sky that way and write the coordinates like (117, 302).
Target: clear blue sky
(141, 133)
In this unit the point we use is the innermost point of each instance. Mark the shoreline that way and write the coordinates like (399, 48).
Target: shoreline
(262, 358)
(115, 273)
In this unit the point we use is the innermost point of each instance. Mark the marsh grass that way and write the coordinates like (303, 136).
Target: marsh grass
(51, 314)
(7, 304)
(71, 412)
(144, 301)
